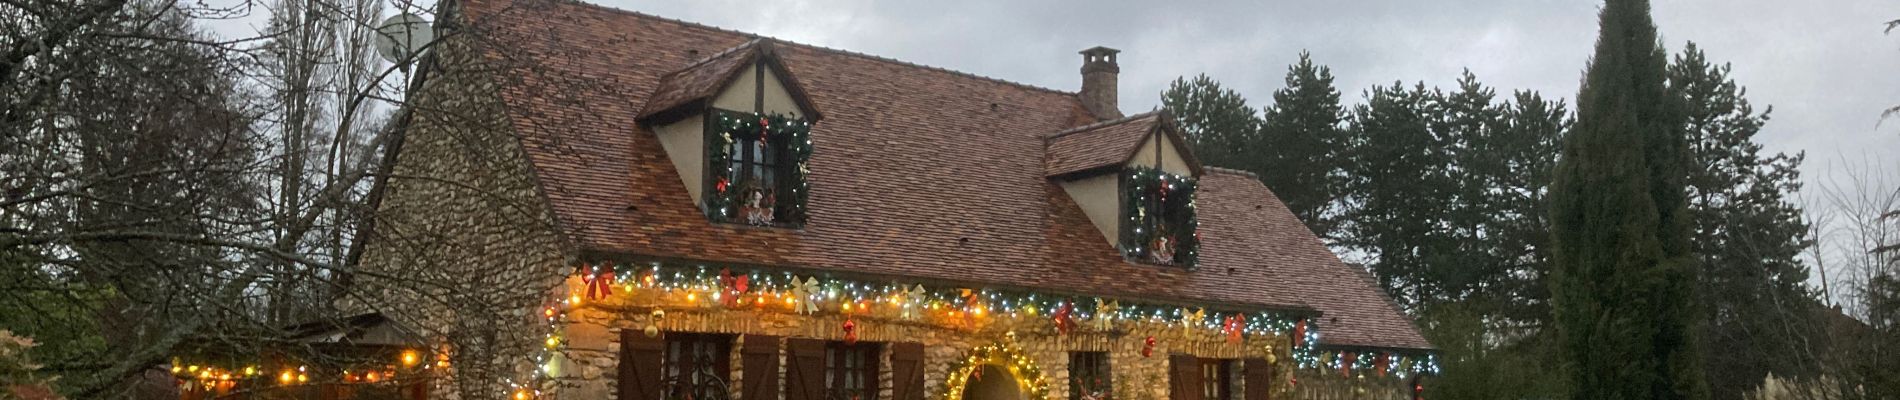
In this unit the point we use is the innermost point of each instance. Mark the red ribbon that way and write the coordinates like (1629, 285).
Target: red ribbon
(598, 284)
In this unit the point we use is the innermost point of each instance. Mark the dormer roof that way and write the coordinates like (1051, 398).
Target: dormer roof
(688, 90)
(1108, 145)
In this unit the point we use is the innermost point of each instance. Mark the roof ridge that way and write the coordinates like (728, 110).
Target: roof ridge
(756, 36)
(1100, 124)
(1230, 171)
(722, 53)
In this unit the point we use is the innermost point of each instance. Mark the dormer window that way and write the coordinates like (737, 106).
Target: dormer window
(758, 168)
(737, 127)
(1158, 221)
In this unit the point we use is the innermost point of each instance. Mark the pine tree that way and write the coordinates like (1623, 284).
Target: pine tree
(1624, 281)
(1216, 121)
(1301, 139)
(1399, 187)
(1748, 236)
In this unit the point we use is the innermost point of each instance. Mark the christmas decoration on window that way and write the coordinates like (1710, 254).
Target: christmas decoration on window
(743, 196)
(1004, 353)
(850, 332)
(1160, 225)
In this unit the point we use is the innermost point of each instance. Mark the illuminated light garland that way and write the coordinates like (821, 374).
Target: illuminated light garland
(209, 375)
(951, 308)
(1002, 353)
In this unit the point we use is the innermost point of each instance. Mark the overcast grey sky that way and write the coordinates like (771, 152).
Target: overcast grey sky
(1824, 65)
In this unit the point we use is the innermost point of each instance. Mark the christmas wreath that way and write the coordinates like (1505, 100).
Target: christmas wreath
(731, 201)
(1160, 226)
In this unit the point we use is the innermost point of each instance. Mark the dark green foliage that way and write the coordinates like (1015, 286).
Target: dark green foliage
(1399, 192)
(1446, 198)
(1624, 283)
(1300, 145)
(1216, 122)
(1748, 236)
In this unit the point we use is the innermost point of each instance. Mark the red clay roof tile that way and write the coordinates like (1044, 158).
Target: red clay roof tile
(917, 172)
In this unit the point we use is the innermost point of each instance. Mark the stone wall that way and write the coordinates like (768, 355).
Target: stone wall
(463, 248)
(591, 352)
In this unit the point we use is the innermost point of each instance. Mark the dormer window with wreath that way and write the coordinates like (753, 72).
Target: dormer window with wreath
(1135, 179)
(738, 127)
(758, 173)
(1158, 224)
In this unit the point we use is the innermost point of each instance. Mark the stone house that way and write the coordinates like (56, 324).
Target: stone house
(697, 213)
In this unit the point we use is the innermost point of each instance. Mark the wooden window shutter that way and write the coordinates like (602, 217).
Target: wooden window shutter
(758, 360)
(907, 371)
(805, 369)
(640, 370)
(1184, 377)
(1259, 379)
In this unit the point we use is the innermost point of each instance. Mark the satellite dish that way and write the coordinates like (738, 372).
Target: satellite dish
(399, 37)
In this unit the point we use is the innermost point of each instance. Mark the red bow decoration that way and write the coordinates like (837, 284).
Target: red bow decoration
(721, 185)
(598, 284)
(1346, 361)
(1299, 333)
(1234, 326)
(850, 332)
(1148, 347)
(735, 286)
(1380, 363)
(764, 126)
(1065, 318)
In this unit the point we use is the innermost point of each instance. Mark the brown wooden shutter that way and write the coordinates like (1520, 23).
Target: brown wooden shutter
(759, 360)
(640, 370)
(805, 369)
(1259, 379)
(907, 371)
(1184, 377)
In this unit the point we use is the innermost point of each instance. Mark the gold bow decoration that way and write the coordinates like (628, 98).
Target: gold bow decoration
(807, 294)
(909, 301)
(1105, 314)
(1190, 320)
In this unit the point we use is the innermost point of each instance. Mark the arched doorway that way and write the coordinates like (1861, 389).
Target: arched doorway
(996, 371)
(992, 382)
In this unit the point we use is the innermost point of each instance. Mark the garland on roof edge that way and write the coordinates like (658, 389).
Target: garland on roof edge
(1170, 235)
(791, 138)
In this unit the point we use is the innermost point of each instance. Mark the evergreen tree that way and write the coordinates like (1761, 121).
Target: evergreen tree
(1748, 236)
(1216, 121)
(1300, 143)
(1623, 286)
(1399, 184)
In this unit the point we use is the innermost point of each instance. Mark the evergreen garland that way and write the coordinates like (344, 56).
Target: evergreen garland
(789, 136)
(1142, 228)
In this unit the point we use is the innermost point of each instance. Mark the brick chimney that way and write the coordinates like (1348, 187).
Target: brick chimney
(1098, 82)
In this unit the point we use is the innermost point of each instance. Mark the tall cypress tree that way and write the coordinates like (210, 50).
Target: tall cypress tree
(1624, 281)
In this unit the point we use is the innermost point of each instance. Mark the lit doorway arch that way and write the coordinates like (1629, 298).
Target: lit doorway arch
(996, 371)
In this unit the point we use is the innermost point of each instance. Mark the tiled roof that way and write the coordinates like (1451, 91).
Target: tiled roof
(917, 172)
(1097, 145)
(702, 80)
(699, 81)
